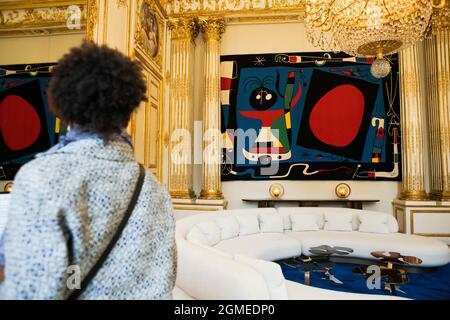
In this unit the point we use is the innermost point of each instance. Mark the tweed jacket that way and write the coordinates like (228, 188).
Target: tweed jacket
(66, 206)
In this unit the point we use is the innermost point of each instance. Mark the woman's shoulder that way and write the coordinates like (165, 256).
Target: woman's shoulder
(44, 173)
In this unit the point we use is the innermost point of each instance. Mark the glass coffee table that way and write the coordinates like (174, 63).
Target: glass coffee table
(320, 261)
(393, 269)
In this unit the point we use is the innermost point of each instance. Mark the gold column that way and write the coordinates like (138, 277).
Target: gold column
(437, 63)
(212, 28)
(184, 31)
(413, 185)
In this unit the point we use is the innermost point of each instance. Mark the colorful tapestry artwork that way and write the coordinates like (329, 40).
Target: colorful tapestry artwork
(27, 125)
(316, 116)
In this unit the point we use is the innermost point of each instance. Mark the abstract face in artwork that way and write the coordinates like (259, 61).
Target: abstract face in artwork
(261, 98)
(149, 30)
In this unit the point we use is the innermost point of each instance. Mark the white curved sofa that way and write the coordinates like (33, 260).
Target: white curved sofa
(227, 255)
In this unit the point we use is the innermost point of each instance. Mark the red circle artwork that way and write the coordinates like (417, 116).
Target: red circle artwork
(337, 116)
(19, 123)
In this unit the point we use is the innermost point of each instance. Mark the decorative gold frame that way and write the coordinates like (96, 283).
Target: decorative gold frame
(411, 221)
(139, 47)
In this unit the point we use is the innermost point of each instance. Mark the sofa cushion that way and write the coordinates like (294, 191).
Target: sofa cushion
(286, 212)
(338, 221)
(251, 211)
(272, 274)
(391, 222)
(287, 224)
(271, 222)
(373, 223)
(229, 227)
(266, 246)
(211, 231)
(197, 236)
(248, 224)
(432, 252)
(304, 222)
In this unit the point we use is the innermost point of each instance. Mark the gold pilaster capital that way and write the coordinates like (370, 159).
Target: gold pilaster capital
(183, 28)
(212, 27)
(440, 20)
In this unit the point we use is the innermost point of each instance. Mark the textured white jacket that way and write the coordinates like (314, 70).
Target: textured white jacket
(66, 206)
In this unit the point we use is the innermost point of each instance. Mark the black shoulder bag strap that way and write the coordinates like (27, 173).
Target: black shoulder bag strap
(74, 294)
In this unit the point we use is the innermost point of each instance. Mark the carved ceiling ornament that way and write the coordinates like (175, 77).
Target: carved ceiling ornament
(23, 18)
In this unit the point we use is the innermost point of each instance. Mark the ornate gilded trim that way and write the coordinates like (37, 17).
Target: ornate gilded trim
(121, 3)
(41, 17)
(92, 19)
(411, 222)
(440, 20)
(232, 7)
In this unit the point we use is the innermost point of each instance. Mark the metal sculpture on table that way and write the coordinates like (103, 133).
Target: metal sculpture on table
(393, 272)
(320, 261)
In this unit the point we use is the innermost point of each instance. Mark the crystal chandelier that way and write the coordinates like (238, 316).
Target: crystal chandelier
(368, 27)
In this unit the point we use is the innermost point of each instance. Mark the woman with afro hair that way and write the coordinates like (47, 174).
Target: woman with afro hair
(68, 203)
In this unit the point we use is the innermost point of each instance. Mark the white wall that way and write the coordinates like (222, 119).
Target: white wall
(273, 38)
(37, 49)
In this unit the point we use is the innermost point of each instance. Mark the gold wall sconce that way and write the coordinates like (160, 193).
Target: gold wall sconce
(343, 191)
(276, 190)
(8, 187)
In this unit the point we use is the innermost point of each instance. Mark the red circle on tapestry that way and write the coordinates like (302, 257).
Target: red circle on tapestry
(336, 118)
(19, 123)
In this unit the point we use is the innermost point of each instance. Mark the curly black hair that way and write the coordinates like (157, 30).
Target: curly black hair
(97, 88)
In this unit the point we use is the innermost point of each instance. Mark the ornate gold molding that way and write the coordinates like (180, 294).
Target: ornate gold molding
(122, 3)
(212, 27)
(440, 20)
(233, 7)
(183, 28)
(92, 19)
(211, 194)
(411, 222)
(41, 17)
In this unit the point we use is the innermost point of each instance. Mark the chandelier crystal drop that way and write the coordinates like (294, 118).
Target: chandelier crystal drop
(380, 68)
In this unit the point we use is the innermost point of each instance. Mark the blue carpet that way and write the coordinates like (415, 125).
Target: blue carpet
(421, 286)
